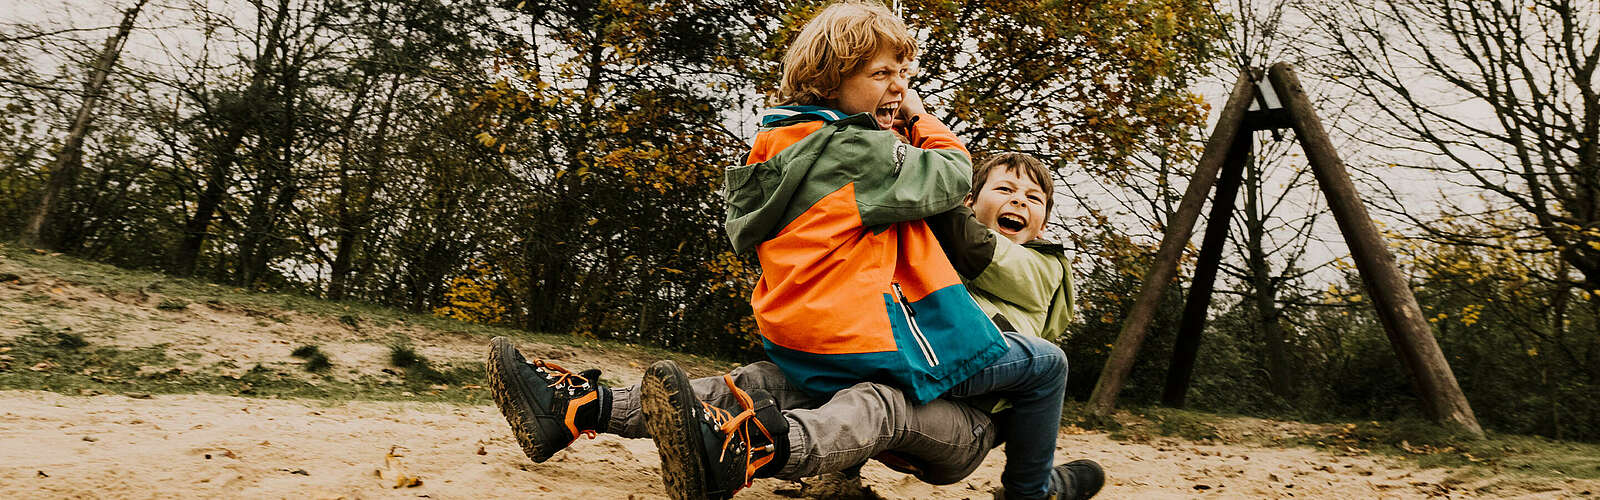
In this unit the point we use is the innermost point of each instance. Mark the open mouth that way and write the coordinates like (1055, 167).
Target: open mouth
(1011, 223)
(885, 114)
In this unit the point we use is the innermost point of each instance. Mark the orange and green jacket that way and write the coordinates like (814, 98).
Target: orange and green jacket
(854, 286)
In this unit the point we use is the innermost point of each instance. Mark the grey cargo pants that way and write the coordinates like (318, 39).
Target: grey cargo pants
(947, 439)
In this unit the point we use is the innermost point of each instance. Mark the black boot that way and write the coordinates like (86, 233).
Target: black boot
(1075, 480)
(547, 406)
(709, 452)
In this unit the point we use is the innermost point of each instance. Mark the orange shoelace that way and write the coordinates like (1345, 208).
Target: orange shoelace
(733, 425)
(565, 378)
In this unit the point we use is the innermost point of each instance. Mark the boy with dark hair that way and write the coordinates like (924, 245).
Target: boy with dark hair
(857, 298)
(855, 290)
(941, 442)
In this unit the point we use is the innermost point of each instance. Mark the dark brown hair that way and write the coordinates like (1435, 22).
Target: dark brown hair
(1030, 166)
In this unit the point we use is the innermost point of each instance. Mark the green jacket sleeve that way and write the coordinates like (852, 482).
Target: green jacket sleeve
(898, 182)
(967, 243)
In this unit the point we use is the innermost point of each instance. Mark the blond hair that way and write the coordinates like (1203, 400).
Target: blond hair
(834, 44)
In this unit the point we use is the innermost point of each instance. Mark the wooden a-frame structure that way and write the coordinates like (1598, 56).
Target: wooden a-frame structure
(1228, 150)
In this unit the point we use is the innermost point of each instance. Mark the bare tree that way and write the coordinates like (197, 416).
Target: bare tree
(70, 159)
(1498, 96)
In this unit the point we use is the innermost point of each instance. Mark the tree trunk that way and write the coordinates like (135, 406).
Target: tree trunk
(1280, 375)
(1165, 265)
(64, 170)
(1391, 294)
(1193, 322)
(353, 220)
(225, 153)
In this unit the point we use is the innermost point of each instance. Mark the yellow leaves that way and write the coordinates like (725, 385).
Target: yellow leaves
(1471, 313)
(485, 138)
(1533, 352)
(397, 470)
(473, 296)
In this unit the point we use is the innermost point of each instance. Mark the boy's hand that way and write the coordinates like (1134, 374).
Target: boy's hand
(910, 105)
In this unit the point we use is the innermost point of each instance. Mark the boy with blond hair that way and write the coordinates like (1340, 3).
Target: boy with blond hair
(857, 300)
(855, 288)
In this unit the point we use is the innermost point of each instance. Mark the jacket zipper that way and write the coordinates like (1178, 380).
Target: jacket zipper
(916, 331)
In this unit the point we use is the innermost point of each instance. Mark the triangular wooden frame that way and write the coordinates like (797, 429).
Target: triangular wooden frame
(1228, 150)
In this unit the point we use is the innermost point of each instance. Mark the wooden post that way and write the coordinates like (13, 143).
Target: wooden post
(1165, 265)
(1391, 294)
(1205, 274)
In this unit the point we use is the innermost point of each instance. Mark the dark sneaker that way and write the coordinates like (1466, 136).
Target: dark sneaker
(547, 406)
(710, 452)
(1075, 480)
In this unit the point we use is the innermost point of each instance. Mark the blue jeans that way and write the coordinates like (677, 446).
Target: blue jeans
(1033, 377)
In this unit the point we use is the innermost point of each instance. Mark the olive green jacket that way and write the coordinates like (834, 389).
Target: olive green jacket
(1028, 285)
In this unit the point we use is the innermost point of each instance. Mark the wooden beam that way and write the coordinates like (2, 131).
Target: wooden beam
(1205, 274)
(1165, 266)
(1391, 294)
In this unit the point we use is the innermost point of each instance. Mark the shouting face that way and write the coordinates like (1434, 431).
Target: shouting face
(877, 86)
(1011, 204)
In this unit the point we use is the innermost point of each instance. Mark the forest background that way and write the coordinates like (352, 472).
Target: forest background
(555, 166)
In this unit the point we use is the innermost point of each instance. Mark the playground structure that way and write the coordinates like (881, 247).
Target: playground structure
(1280, 102)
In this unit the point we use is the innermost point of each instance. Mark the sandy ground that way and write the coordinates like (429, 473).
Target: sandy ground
(201, 446)
(211, 446)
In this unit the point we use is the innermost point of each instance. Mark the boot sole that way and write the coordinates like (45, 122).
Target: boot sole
(668, 400)
(511, 396)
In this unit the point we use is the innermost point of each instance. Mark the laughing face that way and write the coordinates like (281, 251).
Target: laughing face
(877, 86)
(1010, 203)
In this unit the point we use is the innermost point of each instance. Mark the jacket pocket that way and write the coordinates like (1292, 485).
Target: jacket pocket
(740, 191)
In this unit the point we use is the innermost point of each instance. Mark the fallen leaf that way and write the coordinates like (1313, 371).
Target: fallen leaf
(42, 366)
(398, 470)
(482, 451)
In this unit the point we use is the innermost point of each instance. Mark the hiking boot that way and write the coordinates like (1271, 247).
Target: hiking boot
(1075, 480)
(709, 452)
(547, 406)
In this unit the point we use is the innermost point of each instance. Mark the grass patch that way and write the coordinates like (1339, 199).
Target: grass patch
(1079, 414)
(117, 369)
(402, 355)
(66, 340)
(1434, 445)
(38, 361)
(418, 369)
(171, 304)
(1143, 424)
(316, 360)
(306, 351)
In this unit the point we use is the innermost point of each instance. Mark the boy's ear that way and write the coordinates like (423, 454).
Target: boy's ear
(967, 200)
